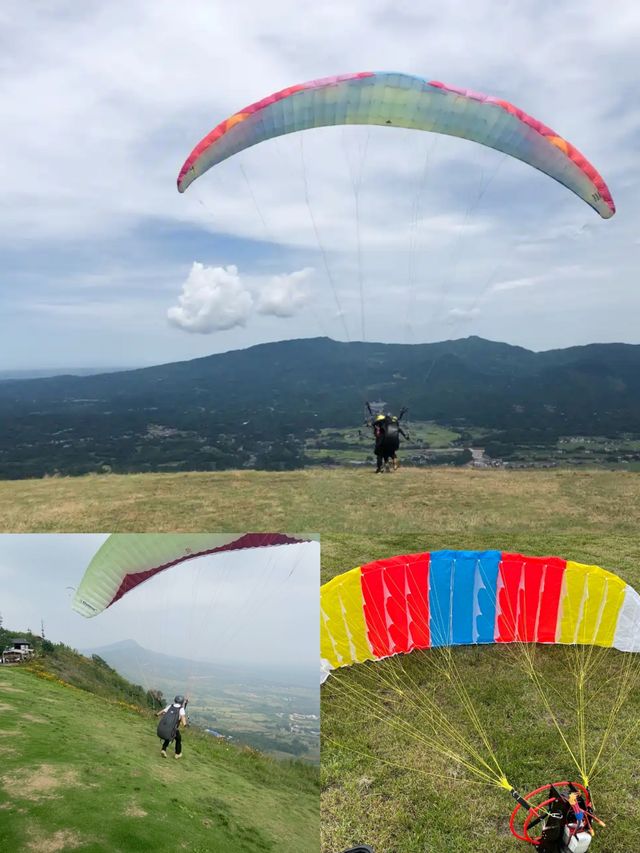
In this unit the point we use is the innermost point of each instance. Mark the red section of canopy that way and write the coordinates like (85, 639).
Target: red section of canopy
(395, 593)
(248, 540)
(528, 598)
(219, 131)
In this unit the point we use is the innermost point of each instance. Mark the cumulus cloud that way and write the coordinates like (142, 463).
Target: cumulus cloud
(217, 298)
(284, 295)
(461, 315)
(212, 299)
(553, 276)
(517, 283)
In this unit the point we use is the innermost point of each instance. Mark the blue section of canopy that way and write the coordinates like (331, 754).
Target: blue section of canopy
(462, 597)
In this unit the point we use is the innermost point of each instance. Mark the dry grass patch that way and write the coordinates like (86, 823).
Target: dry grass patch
(134, 810)
(39, 783)
(63, 839)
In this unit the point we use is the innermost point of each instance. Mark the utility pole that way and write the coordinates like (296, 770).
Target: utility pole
(42, 629)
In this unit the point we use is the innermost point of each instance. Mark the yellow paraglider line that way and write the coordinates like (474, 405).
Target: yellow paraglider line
(431, 775)
(443, 732)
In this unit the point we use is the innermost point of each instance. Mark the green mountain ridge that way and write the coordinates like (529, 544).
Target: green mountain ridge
(255, 408)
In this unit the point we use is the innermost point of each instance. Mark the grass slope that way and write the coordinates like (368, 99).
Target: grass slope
(537, 508)
(80, 772)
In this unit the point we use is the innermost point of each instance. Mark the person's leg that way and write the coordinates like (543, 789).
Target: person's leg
(178, 743)
(165, 744)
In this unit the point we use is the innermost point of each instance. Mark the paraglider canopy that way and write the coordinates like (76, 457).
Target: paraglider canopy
(450, 598)
(403, 100)
(128, 559)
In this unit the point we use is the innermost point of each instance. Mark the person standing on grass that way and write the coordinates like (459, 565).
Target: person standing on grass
(378, 427)
(174, 716)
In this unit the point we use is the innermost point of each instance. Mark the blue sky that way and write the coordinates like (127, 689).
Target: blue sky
(100, 109)
(251, 607)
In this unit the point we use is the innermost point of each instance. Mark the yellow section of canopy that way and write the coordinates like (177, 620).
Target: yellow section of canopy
(591, 604)
(343, 631)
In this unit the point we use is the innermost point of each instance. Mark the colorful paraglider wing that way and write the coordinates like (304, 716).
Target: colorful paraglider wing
(448, 598)
(402, 100)
(128, 559)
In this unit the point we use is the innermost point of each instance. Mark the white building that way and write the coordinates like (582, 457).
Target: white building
(18, 651)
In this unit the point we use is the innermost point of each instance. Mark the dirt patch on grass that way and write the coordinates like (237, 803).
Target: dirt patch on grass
(31, 718)
(39, 783)
(9, 689)
(134, 810)
(164, 772)
(64, 839)
(5, 707)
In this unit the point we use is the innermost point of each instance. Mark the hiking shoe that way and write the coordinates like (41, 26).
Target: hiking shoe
(163, 753)
(178, 755)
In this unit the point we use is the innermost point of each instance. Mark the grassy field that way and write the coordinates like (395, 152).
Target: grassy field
(79, 772)
(527, 510)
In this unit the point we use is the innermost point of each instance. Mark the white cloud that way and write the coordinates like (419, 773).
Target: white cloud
(461, 315)
(517, 283)
(284, 295)
(212, 299)
(557, 276)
